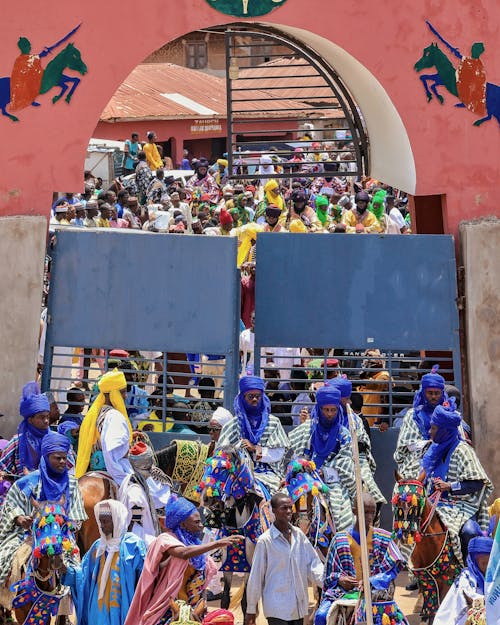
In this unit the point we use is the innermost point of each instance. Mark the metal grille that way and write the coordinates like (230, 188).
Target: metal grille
(384, 383)
(289, 99)
(166, 391)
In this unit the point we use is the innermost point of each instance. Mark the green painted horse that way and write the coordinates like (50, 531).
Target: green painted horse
(53, 76)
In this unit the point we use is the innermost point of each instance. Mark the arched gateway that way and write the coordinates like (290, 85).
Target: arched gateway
(421, 148)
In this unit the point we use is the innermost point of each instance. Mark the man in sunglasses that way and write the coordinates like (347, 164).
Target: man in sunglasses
(258, 431)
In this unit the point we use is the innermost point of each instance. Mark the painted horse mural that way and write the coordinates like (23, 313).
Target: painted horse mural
(467, 82)
(29, 79)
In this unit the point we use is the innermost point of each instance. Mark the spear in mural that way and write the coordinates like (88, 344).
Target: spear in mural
(454, 51)
(48, 50)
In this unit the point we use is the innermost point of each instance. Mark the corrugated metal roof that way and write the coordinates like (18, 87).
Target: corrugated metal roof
(142, 95)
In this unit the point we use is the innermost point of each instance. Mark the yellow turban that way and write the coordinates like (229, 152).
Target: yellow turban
(297, 225)
(248, 233)
(494, 510)
(111, 383)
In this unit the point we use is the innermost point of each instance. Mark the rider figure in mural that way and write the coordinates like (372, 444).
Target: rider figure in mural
(258, 431)
(51, 482)
(453, 469)
(323, 439)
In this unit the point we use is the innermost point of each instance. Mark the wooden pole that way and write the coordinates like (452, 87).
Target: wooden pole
(365, 565)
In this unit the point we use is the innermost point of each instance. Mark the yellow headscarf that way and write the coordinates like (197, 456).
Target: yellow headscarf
(297, 225)
(494, 510)
(247, 234)
(111, 383)
(277, 200)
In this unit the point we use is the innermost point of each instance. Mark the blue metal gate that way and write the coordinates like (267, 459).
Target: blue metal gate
(381, 309)
(171, 301)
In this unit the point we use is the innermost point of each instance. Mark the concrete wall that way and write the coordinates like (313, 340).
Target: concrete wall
(480, 240)
(21, 272)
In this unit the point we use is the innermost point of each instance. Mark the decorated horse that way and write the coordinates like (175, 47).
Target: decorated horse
(433, 559)
(236, 503)
(183, 462)
(476, 614)
(39, 593)
(309, 495)
(467, 82)
(53, 76)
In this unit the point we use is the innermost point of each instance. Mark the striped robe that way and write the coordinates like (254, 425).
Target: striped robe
(410, 448)
(384, 557)
(455, 510)
(342, 491)
(273, 437)
(17, 504)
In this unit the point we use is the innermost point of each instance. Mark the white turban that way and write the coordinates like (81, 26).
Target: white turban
(221, 416)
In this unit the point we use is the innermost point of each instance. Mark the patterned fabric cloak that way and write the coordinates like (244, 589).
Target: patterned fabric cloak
(273, 437)
(343, 489)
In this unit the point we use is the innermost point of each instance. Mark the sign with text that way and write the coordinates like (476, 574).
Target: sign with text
(203, 126)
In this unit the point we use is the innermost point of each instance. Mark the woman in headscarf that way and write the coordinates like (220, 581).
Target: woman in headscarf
(258, 431)
(23, 450)
(103, 586)
(51, 482)
(414, 435)
(470, 585)
(176, 566)
(273, 196)
(324, 440)
(452, 467)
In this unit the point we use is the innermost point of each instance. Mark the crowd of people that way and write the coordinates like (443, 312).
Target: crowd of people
(152, 549)
(213, 203)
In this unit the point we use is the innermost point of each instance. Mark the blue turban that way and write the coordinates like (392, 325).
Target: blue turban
(343, 384)
(327, 395)
(30, 437)
(477, 546)
(325, 432)
(32, 401)
(436, 460)
(251, 383)
(422, 408)
(55, 484)
(65, 428)
(252, 420)
(178, 510)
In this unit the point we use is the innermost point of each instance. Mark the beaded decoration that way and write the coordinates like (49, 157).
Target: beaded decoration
(222, 478)
(408, 505)
(303, 478)
(52, 532)
(384, 613)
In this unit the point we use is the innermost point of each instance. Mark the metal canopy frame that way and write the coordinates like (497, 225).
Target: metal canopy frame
(304, 105)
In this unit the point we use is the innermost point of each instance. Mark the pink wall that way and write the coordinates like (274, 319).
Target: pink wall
(46, 149)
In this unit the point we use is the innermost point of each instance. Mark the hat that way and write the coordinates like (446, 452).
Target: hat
(297, 225)
(32, 401)
(62, 208)
(344, 200)
(177, 510)
(362, 196)
(119, 353)
(273, 211)
(112, 381)
(225, 218)
(221, 416)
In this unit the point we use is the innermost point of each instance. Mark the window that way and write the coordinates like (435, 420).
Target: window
(196, 55)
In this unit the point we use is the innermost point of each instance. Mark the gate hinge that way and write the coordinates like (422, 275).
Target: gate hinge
(461, 302)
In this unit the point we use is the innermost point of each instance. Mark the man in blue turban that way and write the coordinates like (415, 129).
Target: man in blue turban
(414, 434)
(452, 467)
(323, 439)
(23, 450)
(469, 586)
(176, 566)
(366, 459)
(258, 431)
(50, 482)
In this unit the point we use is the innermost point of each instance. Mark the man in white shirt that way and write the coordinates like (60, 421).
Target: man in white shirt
(283, 564)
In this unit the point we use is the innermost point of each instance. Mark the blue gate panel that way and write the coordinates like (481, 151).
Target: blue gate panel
(149, 291)
(357, 291)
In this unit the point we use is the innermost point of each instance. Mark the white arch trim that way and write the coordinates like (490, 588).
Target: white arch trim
(391, 156)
